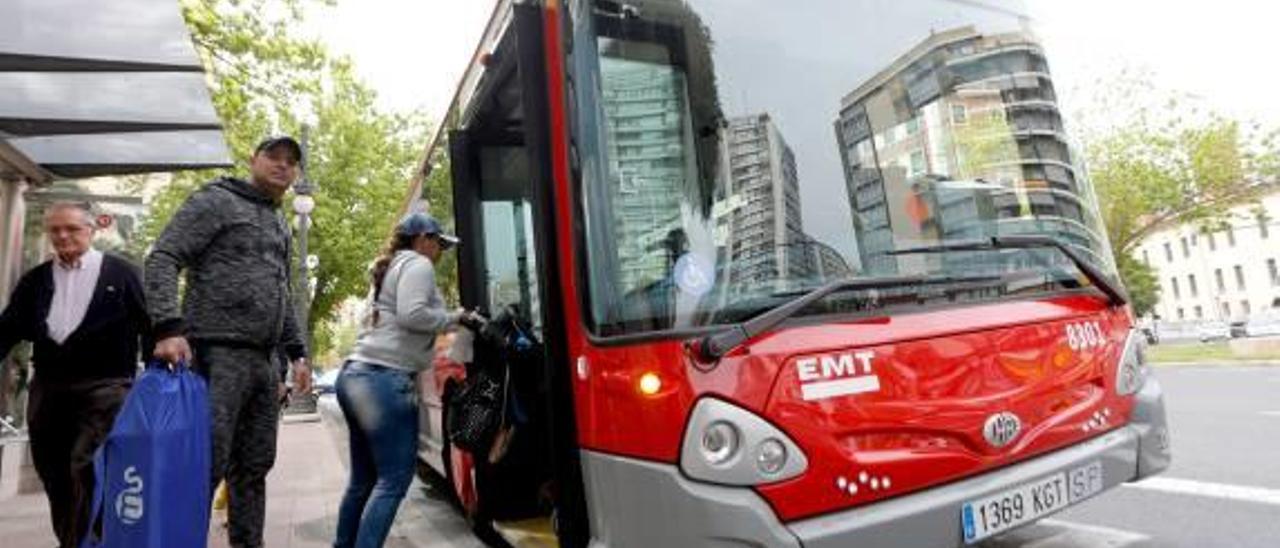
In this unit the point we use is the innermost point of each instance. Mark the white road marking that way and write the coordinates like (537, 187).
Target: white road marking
(1242, 493)
(1079, 534)
(1271, 413)
(1052, 533)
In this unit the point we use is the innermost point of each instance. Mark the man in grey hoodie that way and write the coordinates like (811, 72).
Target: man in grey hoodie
(233, 243)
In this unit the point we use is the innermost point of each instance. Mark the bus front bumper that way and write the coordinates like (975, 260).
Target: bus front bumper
(639, 503)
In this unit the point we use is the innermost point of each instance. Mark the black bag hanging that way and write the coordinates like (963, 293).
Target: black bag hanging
(477, 411)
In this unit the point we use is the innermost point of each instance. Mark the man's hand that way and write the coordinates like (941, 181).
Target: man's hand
(174, 350)
(301, 376)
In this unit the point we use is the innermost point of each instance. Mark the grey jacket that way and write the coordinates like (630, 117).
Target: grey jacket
(411, 312)
(233, 243)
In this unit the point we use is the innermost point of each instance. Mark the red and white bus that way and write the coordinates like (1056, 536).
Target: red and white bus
(822, 273)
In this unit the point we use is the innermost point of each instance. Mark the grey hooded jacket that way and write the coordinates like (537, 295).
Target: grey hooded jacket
(411, 312)
(233, 243)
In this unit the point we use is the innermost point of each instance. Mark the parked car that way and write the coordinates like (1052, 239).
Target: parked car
(1237, 329)
(1213, 331)
(1263, 325)
(325, 383)
(1150, 333)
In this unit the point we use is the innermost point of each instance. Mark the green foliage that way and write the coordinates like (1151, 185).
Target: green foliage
(1140, 280)
(1159, 159)
(360, 162)
(984, 142)
(438, 191)
(265, 79)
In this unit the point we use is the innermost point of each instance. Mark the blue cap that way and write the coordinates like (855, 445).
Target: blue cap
(415, 224)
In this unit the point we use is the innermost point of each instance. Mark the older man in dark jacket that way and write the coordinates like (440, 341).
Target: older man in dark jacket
(84, 311)
(233, 243)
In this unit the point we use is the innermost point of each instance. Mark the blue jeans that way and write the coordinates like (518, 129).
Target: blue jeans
(381, 408)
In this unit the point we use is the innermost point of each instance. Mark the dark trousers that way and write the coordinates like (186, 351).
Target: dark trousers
(243, 384)
(67, 422)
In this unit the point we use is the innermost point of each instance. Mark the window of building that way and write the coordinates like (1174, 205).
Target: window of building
(1181, 315)
(917, 163)
(1231, 236)
(913, 126)
(1168, 252)
(1177, 293)
(1199, 313)
(1213, 243)
(1191, 285)
(1194, 239)
(1239, 277)
(1217, 275)
(1226, 310)
(1262, 227)
(1273, 272)
(1146, 259)
(1186, 249)
(1245, 308)
(959, 115)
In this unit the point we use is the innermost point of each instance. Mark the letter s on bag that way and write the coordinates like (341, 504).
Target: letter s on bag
(129, 504)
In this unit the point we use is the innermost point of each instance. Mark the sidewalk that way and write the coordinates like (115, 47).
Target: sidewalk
(303, 492)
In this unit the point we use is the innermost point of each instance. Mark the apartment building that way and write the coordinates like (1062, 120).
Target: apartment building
(1229, 274)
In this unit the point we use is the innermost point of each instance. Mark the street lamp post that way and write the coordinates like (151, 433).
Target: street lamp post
(303, 205)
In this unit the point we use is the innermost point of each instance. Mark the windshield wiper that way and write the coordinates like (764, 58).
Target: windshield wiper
(716, 345)
(1114, 293)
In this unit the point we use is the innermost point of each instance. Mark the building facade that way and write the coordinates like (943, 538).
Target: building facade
(649, 148)
(960, 138)
(1222, 274)
(760, 237)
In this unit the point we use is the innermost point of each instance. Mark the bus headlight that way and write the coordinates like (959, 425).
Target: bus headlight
(1132, 371)
(728, 445)
(771, 457)
(719, 443)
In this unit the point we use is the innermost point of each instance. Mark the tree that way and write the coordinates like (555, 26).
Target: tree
(1158, 159)
(264, 79)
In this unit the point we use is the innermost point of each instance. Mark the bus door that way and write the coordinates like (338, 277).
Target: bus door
(499, 157)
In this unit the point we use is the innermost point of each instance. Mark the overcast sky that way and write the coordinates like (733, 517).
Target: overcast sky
(1221, 51)
(413, 52)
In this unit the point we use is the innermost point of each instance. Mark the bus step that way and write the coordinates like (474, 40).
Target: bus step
(529, 533)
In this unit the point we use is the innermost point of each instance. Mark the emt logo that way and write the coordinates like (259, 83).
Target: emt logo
(831, 375)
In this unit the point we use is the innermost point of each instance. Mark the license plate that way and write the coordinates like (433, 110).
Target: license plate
(1028, 502)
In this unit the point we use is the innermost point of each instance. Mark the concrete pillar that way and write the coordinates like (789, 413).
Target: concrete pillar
(12, 221)
(17, 474)
(17, 469)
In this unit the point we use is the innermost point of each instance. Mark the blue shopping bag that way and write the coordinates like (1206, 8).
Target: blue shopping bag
(152, 487)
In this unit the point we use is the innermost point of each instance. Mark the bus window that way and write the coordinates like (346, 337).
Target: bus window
(729, 162)
(506, 212)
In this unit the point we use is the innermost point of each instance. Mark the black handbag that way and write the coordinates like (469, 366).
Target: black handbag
(478, 410)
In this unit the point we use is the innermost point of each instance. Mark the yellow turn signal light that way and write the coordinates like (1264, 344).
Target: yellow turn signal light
(650, 383)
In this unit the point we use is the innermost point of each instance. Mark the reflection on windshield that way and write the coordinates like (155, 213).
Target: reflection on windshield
(736, 151)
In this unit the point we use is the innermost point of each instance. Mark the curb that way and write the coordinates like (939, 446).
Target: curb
(303, 417)
(1212, 364)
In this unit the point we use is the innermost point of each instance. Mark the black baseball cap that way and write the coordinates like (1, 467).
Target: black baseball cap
(277, 141)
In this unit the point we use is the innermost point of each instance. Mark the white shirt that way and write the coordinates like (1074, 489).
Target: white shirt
(73, 287)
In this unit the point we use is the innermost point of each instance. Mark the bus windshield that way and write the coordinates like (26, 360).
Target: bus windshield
(735, 153)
